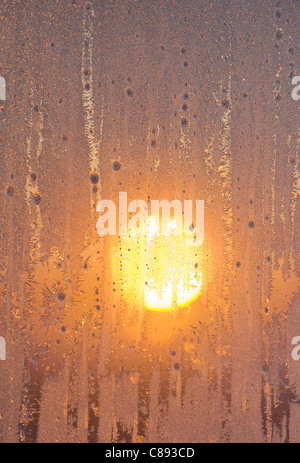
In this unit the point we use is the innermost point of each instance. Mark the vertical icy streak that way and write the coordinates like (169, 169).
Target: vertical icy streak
(210, 169)
(274, 163)
(29, 412)
(293, 203)
(157, 154)
(267, 399)
(88, 103)
(32, 192)
(88, 95)
(185, 145)
(225, 172)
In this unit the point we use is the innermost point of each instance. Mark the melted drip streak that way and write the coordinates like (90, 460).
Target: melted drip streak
(88, 95)
(294, 197)
(225, 172)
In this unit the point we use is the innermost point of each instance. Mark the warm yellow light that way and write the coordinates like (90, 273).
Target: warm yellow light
(160, 271)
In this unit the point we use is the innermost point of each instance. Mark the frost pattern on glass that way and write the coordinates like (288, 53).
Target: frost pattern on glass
(163, 100)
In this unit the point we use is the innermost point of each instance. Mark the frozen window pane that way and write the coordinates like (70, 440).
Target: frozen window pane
(112, 327)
